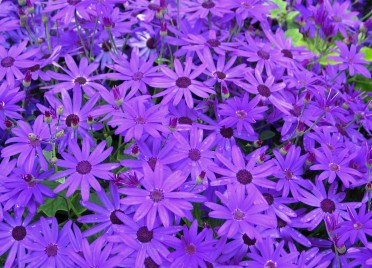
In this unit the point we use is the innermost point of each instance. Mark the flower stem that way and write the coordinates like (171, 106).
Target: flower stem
(80, 36)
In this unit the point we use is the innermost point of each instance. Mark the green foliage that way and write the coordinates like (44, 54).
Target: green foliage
(367, 52)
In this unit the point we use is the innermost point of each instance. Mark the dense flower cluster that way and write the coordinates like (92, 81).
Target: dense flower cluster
(185, 133)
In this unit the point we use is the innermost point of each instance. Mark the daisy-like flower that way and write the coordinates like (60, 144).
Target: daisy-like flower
(289, 171)
(200, 9)
(277, 205)
(246, 176)
(9, 97)
(15, 233)
(96, 254)
(181, 83)
(335, 165)
(240, 213)
(28, 143)
(13, 59)
(83, 168)
(105, 216)
(137, 73)
(136, 120)
(67, 8)
(241, 113)
(266, 90)
(351, 60)
(268, 253)
(146, 41)
(193, 249)
(324, 203)
(193, 154)
(357, 228)
(76, 76)
(159, 199)
(49, 247)
(250, 9)
(24, 188)
(148, 245)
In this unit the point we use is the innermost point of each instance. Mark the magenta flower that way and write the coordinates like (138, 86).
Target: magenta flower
(83, 168)
(159, 199)
(181, 83)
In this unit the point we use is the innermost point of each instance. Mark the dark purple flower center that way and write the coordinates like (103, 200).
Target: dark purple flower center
(220, 75)
(287, 53)
(244, 176)
(249, 241)
(144, 235)
(214, 42)
(241, 114)
(357, 226)
(238, 215)
(227, 132)
(137, 76)
(194, 154)
(288, 174)
(7, 62)
(327, 205)
(114, 219)
(83, 167)
(269, 198)
(263, 90)
(263, 54)
(190, 249)
(208, 4)
(73, 2)
(150, 43)
(153, 7)
(184, 120)
(28, 177)
(51, 250)
(157, 195)
(183, 82)
(72, 120)
(140, 120)
(34, 68)
(271, 264)
(150, 263)
(152, 162)
(334, 167)
(19, 233)
(106, 46)
(81, 80)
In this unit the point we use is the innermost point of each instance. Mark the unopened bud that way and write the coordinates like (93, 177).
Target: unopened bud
(60, 134)
(369, 187)
(257, 143)
(300, 129)
(345, 106)
(8, 124)
(27, 80)
(22, 17)
(32, 136)
(60, 110)
(261, 158)
(45, 18)
(310, 159)
(107, 23)
(48, 117)
(225, 92)
(90, 119)
(135, 150)
(54, 160)
(284, 150)
(30, 7)
(117, 96)
(200, 178)
(163, 28)
(172, 123)
(21, 2)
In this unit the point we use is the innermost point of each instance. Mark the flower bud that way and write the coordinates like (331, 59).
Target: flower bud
(225, 92)
(60, 134)
(30, 7)
(45, 18)
(8, 124)
(345, 105)
(261, 158)
(107, 23)
(310, 159)
(284, 150)
(21, 2)
(22, 17)
(27, 80)
(60, 110)
(90, 119)
(32, 136)
(257, 143)
(135, 150)
(300, 129)
(54, 160)
(200, 178)
(369, 187)
(163, 28)
(48, 117)
(172, 123)
(117, 96)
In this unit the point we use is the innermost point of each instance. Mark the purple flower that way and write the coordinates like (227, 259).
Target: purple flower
(335, 165)
(181, 83)
(201, 9)
(240, 213)
(104, 217)
(49, 248)
(96, 254)
(277, 205)
(77, 76)
(351, 60)
(28, 143)
(246, 176)
(193, 248)
(159, 198)
(357, 228)
(13, 59)
(83, 168)
(15, 233)
(9, 110)
(147, 245)
(324, 203)
(139, 118)
(67, 8)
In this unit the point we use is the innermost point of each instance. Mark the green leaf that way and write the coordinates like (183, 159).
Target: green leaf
(61, 180)
(297, 38)
(52, 205)
(48, 154)
(75, 205)
(292, 15)
(108, 141)
(325, 61)
(267, 134)
(282, 8)
(281, 4)
(367, 52)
